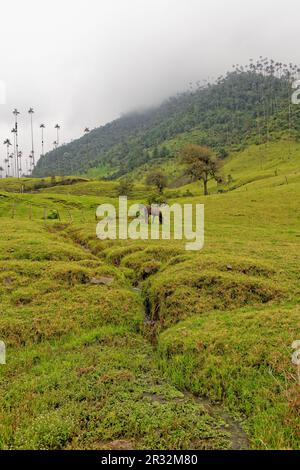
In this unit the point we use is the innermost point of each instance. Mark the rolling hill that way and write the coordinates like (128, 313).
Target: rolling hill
(174, 349)
(250, 105)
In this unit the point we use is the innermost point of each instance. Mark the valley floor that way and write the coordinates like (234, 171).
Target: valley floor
(138, 345)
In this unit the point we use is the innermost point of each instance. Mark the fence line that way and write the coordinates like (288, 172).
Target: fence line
(16, 207)
(9, 209)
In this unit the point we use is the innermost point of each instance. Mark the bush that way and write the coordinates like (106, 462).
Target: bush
(155, 198)
(125, 187)
(53, 215)
(188, 193)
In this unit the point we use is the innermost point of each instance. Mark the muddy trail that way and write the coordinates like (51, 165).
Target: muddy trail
(229, 429)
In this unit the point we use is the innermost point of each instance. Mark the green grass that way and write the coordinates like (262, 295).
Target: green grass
(100, 172)
(243, 288)
(84, 370)
(241, 359)
(95, 389)
(80, 373)
(268, 165)
(35, 184)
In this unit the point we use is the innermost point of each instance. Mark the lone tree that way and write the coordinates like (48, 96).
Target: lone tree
(201, 164)
(158, 179)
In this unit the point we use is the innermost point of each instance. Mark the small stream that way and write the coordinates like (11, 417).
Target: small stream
(239, 439)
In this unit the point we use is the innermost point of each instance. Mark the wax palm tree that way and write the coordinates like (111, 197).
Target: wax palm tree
(20, 154)
(31, 112)
(28, 167)
(87, 131)
(6, 161)
(42, 127)
(30, 163)
(55, 145)
(57, 127)
(16, 113)
(1, 171)
(11, 157)
(14, 152)
(8, 144)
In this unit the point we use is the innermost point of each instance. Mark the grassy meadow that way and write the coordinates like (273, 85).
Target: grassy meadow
(141, 344)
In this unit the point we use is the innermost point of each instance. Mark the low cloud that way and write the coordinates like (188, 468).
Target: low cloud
(85, 63)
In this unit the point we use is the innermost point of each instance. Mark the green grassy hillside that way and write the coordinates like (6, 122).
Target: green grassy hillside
(269, 164)
(266, 165)
(140, 344)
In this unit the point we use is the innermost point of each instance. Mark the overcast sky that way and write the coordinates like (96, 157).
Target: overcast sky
(83, 63)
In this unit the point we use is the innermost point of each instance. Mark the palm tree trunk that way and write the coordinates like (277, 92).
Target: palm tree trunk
(17, 150)
(15, 157)
(8, 156)
(32, 143)
(42, 141)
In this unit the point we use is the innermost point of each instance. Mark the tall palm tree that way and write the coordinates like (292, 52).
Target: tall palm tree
(13, 131)
(42, 127)
(57, 127)
(30, 163)
(27, 170)
(11, 158)
(15, 152)
(55, 146)
(1, 171)
(87, 131)
(6, 161)
(20, 154)
(16, 113)
(31, 112)
(8, 144)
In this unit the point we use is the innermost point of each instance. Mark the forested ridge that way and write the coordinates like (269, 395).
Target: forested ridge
(250, 104)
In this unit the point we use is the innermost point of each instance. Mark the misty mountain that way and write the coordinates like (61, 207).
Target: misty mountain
(251, 104)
